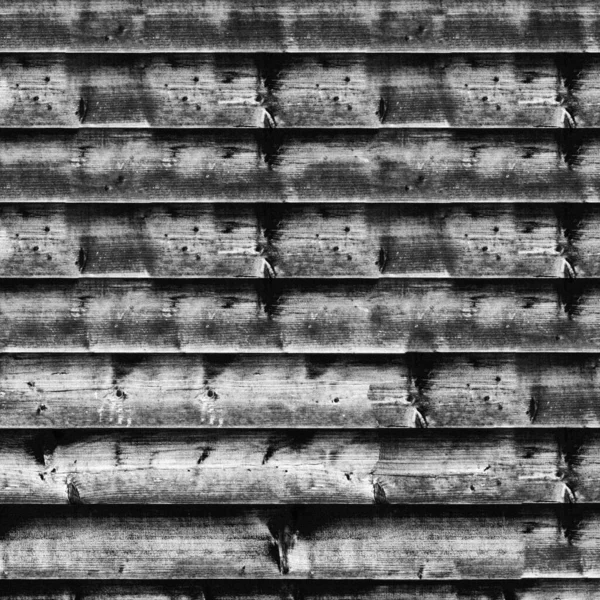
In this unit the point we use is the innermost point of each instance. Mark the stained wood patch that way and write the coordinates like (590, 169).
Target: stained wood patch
(274, 91)
(312, 391)
(292, 26)
(316, 241)
(300, 166)
(299, 467)
(273, 315)
(320, 542)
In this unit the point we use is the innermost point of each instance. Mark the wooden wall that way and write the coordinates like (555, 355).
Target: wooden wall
(300, 299)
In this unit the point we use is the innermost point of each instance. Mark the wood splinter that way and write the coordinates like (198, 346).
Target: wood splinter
(266, 270)
(567, 271)
(266, 120)
(566, 120)
(284, 542)
(568, 497)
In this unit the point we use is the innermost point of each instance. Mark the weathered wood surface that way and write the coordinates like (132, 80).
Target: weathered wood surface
(300, 166)
(357, 316)
(311, 391)
(305, 25)
(318, 542)
(299, 467)
(568, 589)
(316, 241)
(194, 113)
(309, 91)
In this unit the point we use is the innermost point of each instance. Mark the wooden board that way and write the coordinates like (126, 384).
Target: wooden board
(269, 315)
(311, 391)
(305, 25)
(319, 542)
(316, 241)
(309, 91)
(299, 467)
(310, 590)
(341, 166)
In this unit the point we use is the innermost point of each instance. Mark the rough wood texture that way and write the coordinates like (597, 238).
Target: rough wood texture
(317, 241)
(300, 166)
(201, 114)
(300, 25)
(359, 316)
(267, 91)
(570, 589)
(313, 391)
(302, 467)
(318, 542)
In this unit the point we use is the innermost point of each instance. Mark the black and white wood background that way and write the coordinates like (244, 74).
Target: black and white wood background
(300, 299)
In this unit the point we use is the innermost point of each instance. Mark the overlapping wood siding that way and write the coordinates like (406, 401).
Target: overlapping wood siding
(299, 300)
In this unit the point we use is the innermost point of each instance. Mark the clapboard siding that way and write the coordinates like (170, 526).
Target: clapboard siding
(357, 316)
(316, 241)
(300, 25)
(205, 344)
(325, 91)
(571, 589)
(292, 165)
(299, 467)
(312, 391)
(318, 542)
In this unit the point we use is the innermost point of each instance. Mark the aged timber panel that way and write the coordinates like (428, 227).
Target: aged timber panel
(306, 241)
(300, 25)
(308, 91)
(296, 466)
(277, 391)
(307, 542)
(386, 315)
(292, 165)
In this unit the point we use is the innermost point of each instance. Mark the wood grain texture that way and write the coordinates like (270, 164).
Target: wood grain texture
(314, 316)
(311, 391)
(341, 166)
(308, 91)
(291, 26)
(319, 542)
(338, 334)
(317, 241)
(299, 467)
(571, 589)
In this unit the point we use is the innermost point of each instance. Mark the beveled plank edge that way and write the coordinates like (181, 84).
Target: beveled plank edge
(345, 588)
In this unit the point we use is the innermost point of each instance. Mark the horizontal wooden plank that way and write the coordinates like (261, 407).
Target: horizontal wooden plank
(299, 467)
(312, 391)
(573, 589)
(272, 315)
(320, 542)
(239, 240)
(267, 91)
(292, 25)
(339, 166)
